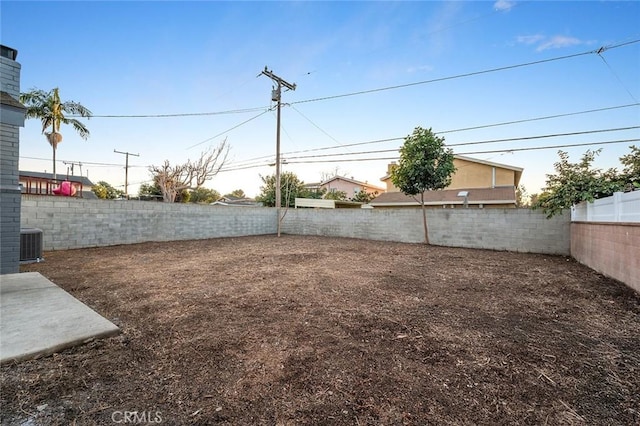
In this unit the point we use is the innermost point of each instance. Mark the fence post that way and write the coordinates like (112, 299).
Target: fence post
(617, 206)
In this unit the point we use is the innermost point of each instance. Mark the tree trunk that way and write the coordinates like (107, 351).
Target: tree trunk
(424, 219)
(54, 145)
(54, 161)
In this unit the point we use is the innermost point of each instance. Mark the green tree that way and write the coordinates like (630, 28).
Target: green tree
(290, 188)
(204, 195)
(105, 191)
(50, 110)
(425, 165)
(238, 193)
(335, 195)
(147, 190)
(522, 197)
(364, 196)
(576, 182)
(631, 173)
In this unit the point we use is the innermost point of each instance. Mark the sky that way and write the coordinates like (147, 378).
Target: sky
(169, 80)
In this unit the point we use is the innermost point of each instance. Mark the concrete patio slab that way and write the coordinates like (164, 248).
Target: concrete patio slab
(39, 318)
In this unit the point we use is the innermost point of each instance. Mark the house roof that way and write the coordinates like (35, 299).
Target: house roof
(497, 195)
(230, 200)
(518, 170)
(351, 180)
(39, 175)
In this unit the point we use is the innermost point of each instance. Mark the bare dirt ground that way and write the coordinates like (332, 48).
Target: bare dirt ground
(308, 331)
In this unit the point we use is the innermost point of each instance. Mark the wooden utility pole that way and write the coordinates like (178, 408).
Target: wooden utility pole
(276, 97)
(126, 171)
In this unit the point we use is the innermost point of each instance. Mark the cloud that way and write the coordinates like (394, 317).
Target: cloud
(530, 39)
(420, 68)
(504, 5)
(558, 42)
(544, 43)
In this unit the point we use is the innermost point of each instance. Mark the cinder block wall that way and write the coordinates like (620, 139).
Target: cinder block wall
(613, 249)
(75, 223)
(521, 230)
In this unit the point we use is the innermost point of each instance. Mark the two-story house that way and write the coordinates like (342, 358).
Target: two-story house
(475, 183)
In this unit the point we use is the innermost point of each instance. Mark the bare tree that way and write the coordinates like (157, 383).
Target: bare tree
(172, 180)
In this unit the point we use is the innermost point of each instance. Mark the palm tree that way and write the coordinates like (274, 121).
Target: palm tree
(47, 107)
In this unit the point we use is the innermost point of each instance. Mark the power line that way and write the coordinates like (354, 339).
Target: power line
(228, 130)
(474, 152)
(586, 132)
(505, 123)
(187, 114)
(616, 76)
(547, 117)
(551, 147)
(598, 51)
(522, 138)
(470, 74)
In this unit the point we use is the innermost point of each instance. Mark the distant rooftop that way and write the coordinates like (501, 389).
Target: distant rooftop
(60, 176)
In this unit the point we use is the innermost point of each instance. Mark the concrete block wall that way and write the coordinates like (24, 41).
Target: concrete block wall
(613, 249)
(521, 230)
(76, 223)
(404, 225)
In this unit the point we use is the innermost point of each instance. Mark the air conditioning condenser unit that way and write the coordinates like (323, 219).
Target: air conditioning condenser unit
(30, 245)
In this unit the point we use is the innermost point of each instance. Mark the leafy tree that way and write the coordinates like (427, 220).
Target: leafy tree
(50, 110)
(172, 180)
(335, 195)
(576, 182)
(105, 191)
(364, 196)
(522, 197)
(204, 195)
(425, 165)
(631, 173)
(183, 197)
(149, 190)
(290, 188)
(238, 193)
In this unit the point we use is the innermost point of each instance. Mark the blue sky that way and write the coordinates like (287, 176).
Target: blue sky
(153, 58)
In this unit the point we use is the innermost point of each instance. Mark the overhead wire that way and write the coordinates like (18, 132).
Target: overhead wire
(507, 150)
(469, 74)
(521, 138)
(616, 76)
(598, 51)
(228, 130)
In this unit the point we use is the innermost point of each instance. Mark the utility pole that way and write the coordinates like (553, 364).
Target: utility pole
(126, 171)
(73, 163)
(276, 97)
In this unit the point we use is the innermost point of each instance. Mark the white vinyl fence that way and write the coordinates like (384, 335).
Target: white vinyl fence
(620, 207)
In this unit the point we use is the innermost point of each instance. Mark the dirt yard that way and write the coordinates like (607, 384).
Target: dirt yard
(308, 331)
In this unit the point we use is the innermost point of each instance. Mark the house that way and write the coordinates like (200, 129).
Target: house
(349, 186)
(38, 183)
(475, 183)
